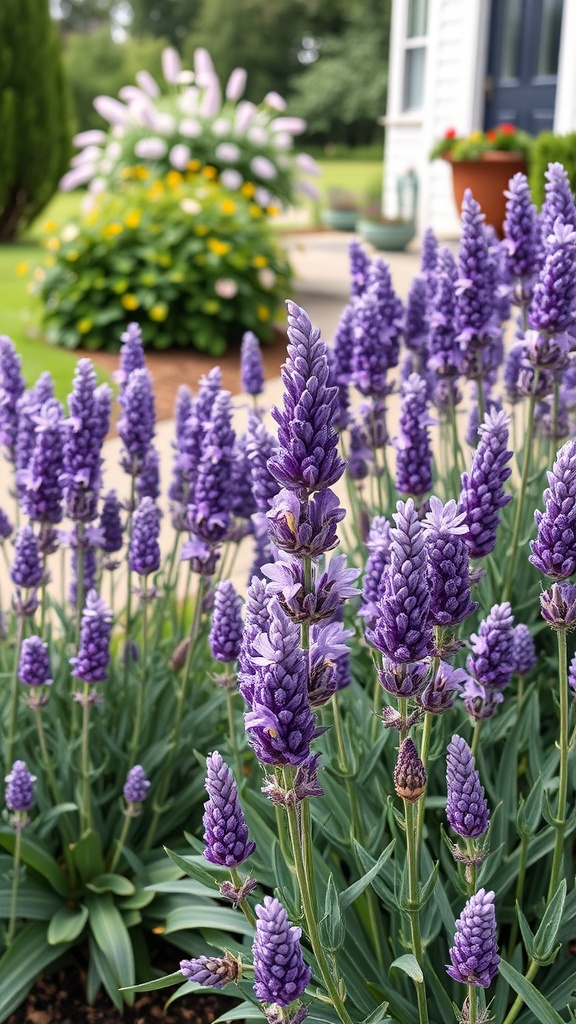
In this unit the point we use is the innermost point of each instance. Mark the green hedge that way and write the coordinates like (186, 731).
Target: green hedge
(550, 148)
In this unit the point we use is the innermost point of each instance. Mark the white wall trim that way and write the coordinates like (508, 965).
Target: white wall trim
(565, 107)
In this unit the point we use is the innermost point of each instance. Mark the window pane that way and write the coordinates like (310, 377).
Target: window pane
(417, 18)
(550, 37)
(510, 52)
(414, 78)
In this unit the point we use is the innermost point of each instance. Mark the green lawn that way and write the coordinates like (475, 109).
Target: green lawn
(20, 312)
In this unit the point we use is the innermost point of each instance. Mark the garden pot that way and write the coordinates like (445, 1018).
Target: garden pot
(339, 220)
(391, 237)
(487, 178)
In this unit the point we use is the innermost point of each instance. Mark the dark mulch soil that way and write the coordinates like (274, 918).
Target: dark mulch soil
(60, 999)
(177, 366)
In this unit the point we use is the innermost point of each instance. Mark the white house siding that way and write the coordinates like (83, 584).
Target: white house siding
(565, 111)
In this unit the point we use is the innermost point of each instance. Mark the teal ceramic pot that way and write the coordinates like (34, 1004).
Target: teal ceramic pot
(339, 220)
(392, 237)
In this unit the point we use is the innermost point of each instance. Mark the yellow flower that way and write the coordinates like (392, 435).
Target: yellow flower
(50, 261)
(201, 230)
(127, 172)
(111, 230)
(120, 286)
(262, 312)
(53, 244)
(209, 171)
(211, 307)
(273, 211)
(260, 261)
(130, 301)
(141, 173)
(85, 325)
(50, 226)
(132, 219)
(156, 191)
(177, 276)
(148, 279)
(164, 259)
(475, 136)
(158, 312)
(228, 206)
(73, 255)
(194, 165)
(173, 179)
(247, 189)
(22, 269)
(218, 247)
(255, 211)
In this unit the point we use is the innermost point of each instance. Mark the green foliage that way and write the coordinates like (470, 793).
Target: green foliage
(195, 264)
(548, 149)
(343, 93)
(103, 66)
(503, 138)
(34, 113)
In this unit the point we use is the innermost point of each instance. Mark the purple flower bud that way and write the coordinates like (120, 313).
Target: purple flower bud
(476, 284)
(6, 527)
(558, 200)
(305, 528)
(251, 367)
(440, 694)
(343, 346)
(416, 318)
(448, 564)
(359, 268)
(209, 511)
(225, 830)
(20, 788)
(409, 773)
(403, 631)
(558, 605)
(256, 620)
(11, 388)
(480, 702)
(136, 786)
(328, 649)
(148, 479)
(482, 495)
(572, 675)
(512, 368)
(260, 446)
(406, 680)
(523, 650)
(144, 551)
(28, 407)
(131, 354)
(34, 666)
(136, 425)
(378, 544)
(467, 809)
(428, 255)
(377, 329)
(280, 974)
(40, 483)
(492, 659)
(26, 570)
(91, 662)
(445, 357)
(474, 954)
(280, 723)
(226, 629)
(111, 524)
(85, 431)
(554, 550)
(210, 971)
(307, 458)
(329, 589)
(552, 307)
(413, 450)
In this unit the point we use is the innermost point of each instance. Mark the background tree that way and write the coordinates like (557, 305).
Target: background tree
(343, 92)
(34, 113)
(170, 19)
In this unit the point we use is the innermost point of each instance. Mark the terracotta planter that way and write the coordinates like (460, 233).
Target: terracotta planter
(487, 178)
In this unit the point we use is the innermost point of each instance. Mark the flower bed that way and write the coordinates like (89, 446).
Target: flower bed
(387, 834)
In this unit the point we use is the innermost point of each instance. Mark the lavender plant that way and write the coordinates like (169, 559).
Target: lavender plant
(394, 841)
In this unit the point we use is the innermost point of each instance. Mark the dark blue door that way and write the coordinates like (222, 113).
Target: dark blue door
(523, 63)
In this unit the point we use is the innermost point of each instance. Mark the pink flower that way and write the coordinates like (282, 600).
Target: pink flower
(150, 148)
(78, 176)
(226, 288)
(274, 100)
(90, 138)
(236, 84)
(261, 167)
(179, 157)
(111, 110)
(171, 66)
(147, 84)
(294, 125)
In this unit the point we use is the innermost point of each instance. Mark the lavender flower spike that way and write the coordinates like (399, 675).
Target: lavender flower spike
(131, 354)
(403, 631)
(144, 553)
(34, 666)
(554, 550)
(210, 971)
(413, 450)
(11, 388)
(359, 267)
(136, 786)
(474, 954)
(521, 232)
(482, 495)
(558, 200)
(280, 974)
(523, 650)
(209, 511)
(449, 565)
(91, 662)
(476, 284)
(251, 367)
(86, 429)
(26, 570)
(467, 808)
(20, 788)
(226, 629)
(225, 830)
(307, 459)
(492, 659)
(552, 307)
(136, 425)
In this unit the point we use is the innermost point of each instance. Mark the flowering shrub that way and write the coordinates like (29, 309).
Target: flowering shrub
(504, 137)
(191, 261)
(387, 834)
(243, 142)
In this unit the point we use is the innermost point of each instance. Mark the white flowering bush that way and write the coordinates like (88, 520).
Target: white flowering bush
(193, 121)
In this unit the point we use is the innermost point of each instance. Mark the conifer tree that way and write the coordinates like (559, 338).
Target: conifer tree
(34, 113)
